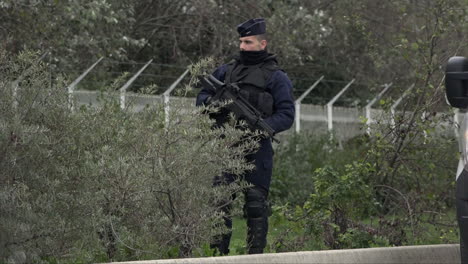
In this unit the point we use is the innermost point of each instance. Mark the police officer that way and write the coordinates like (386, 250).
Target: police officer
(269, 89)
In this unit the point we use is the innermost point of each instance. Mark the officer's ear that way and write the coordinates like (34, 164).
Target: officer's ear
(456, 82)
(263, 43)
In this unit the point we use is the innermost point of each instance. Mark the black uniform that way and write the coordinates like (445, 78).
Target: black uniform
(269, 89)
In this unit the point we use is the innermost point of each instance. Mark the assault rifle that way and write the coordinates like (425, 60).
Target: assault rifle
(241, 108)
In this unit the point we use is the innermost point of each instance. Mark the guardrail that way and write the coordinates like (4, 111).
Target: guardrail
(448, 253)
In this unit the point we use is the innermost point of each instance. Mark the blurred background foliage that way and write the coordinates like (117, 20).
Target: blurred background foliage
(373, 42)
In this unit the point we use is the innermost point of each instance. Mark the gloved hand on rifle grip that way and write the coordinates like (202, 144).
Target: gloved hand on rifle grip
(208, 100)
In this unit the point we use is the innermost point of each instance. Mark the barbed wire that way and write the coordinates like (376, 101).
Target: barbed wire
(300, 82)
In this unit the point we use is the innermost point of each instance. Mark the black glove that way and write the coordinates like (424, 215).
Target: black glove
(207, 100)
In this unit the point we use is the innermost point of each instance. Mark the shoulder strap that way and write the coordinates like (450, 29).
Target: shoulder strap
(230, 67)
(269, 68)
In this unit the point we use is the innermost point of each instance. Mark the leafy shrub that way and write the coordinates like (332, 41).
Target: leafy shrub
(297, 158)
(349, 201)
(104, 183)
(339, 202)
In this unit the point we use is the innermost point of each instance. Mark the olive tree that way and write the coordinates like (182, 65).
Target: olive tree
(102, 182)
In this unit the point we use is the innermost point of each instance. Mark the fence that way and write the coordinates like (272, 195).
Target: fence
(344, 122)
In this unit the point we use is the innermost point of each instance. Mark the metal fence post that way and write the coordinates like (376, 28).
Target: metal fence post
(72, 86)
(330, 105)
(167, 94)
(372, 102)
(297, 117)
(124, 88)
(297, 104)
(397, 102)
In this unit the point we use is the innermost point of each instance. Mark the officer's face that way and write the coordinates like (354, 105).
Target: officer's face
(251, 43)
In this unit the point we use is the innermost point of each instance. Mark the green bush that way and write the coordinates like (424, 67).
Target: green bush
(329, 197)
(296, 160)
(101, 183)
(339, 202)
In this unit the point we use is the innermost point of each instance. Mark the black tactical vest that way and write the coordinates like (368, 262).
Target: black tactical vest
(252, 79)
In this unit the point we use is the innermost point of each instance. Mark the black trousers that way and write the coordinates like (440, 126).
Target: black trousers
(256, 211)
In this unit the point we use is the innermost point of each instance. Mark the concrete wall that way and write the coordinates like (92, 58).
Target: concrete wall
(411, 254)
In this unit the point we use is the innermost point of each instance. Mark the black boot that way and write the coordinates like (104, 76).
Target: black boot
(257, 234)
(221, 244)
(256, 211)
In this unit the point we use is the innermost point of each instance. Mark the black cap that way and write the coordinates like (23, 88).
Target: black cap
(252, 27)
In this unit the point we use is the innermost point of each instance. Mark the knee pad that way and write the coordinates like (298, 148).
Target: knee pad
(256, 205)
